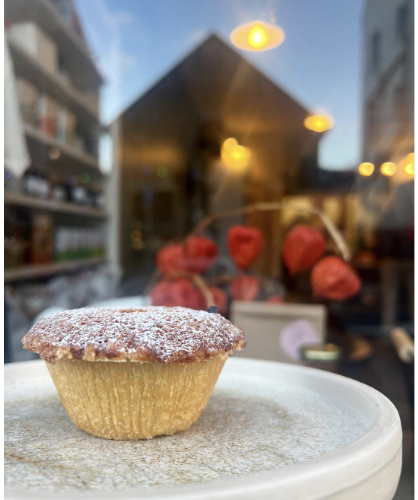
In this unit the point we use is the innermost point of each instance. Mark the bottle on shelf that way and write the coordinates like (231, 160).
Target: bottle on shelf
(16, 237)
(41, 245)
(48, 114)
(73, 243)
(66, 124)
(36, 184)
(57, 192)
(28, 97)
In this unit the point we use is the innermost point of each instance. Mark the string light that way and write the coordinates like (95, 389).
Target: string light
(366, 169)
(409, 167)
(388, 168)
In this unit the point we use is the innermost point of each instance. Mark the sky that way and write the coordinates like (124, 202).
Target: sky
(135, 42)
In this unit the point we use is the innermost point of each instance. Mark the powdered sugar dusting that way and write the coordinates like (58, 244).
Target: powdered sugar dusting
(159, 334)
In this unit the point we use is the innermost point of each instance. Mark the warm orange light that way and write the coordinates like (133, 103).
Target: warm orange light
(230, 143)
(318, 123)
(409, 167)
(238, 153)
(366, 169)
(235, 156)
(257, 36)
(388, 168)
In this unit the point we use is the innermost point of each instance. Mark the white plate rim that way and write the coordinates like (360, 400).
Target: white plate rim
(319, 477)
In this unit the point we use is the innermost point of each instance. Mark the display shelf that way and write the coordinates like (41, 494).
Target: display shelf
(77, 91)
(26, 66)
(23, 200)
(71, 46)
(71, 159)
(33, 271)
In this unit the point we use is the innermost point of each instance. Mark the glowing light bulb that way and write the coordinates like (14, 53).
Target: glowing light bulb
(409, 167)
(230, 143)
(388, 168)
(257, 37)
(366, 169)
(238, 153)
(234, 155)
(318, 123)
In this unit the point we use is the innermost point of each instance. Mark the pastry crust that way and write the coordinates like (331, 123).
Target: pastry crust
(134, 400)
(143, 334)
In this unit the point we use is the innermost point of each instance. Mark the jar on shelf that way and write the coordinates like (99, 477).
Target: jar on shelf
(36, 184)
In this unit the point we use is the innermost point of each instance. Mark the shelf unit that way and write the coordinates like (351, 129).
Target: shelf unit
(40, 143)
(33, 271)
(23, 200)
(71, 46)
(73, 94)
(26, 66)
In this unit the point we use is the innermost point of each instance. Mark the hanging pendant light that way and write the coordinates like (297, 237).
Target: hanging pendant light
(257, 36)
(234, 155)
(318, 123)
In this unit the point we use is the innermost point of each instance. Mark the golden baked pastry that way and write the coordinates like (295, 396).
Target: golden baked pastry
(134, 373)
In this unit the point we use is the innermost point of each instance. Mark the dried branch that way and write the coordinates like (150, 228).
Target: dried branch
(275, 206)
(200, 283)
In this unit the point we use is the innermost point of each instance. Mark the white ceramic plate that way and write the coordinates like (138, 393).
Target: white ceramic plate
(270, 430)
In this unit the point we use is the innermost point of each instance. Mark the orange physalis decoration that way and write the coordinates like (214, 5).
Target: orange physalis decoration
(303, 247)
(334, 279)
(201, 254)
(244, 244)
(170, 259)
(195, 256)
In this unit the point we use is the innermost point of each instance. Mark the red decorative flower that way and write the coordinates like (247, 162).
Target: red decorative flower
(303, 247)
(333, 279)
(180, 292)
(245, 288)
(220, 299)
(171, 259)
(244, 244)
(201, 254)
(196, 256)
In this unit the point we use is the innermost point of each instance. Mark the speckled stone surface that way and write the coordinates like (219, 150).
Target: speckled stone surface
(250, 425)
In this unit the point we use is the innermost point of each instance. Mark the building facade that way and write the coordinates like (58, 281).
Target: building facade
(388, 85)
(172, 168)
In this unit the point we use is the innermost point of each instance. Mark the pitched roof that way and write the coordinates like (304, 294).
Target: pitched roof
(215, 80)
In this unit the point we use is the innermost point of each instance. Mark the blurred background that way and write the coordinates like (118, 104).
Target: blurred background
(128, 123)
